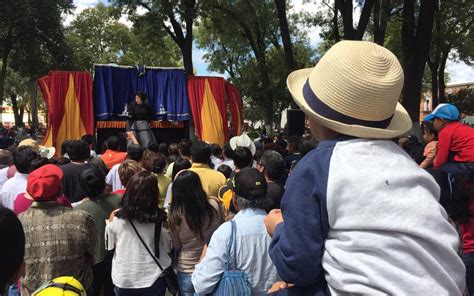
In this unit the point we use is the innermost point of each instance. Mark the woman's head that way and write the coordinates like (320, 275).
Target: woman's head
(179, 165)
(92, 180)
(140, 201)
(127, 169)
(190, 202)
(140, 97)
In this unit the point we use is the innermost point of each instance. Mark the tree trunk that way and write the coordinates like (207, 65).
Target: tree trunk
(415, 45)
(16, 114)
(381, 18)
(33, 103)
(187, 52)
(434, 83)
(285, 34)
(7, 46)
(441, 82)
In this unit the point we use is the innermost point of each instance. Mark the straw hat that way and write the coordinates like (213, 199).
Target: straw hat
(47, 152)
(354, 90)
(243, 141)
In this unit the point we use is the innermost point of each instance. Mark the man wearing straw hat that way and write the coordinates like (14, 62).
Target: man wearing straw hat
(358, 215)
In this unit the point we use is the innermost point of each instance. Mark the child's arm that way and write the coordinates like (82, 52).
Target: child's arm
(430, 153)
(444, 144)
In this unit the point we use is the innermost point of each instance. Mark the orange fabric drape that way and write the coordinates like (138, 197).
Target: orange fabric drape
(236, 108)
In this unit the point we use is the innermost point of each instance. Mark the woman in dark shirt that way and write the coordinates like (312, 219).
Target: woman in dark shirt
(138, 127)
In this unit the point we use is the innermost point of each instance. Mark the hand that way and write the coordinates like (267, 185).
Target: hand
(279, 286)
(272, 220)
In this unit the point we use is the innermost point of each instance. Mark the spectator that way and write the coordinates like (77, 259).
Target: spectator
(156, 164)
(228, 154)
(294, 153)
(185, 152)
(430, 136)
(89, 139)
(163, 148)
(216, 157)
(134, 152)
(180, 164)
(134, 270)
(173, 150)
(455, 152)
(225, 170)
(22, 157)
(6, 161)
(113, 155)
(23, 201)
(272, 166)
(193, 220)
(99, 206)
(153, 146)
(78, 152)
(126, 171)
(59, 240)
(211, 180)
(47, 152)
(357, 216)
(243, 141)
(13, 248)
(252, 243)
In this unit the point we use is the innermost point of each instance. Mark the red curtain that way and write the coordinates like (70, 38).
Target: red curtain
(236, 108)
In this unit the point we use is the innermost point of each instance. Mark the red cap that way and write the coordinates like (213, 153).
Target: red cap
(45, 182)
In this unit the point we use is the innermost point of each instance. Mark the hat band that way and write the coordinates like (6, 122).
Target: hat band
(324, 110)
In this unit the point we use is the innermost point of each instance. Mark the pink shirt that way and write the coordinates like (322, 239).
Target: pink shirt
(430, 154)
(22, 203)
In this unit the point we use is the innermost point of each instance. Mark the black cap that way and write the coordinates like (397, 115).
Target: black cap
(250, 184)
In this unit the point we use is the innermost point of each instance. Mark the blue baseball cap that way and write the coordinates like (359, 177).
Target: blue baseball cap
(444, 111)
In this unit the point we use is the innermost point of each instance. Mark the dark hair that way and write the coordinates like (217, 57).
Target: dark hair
(173, 149)
(89, 139)
(216, 150)
(135, 152)
(22, 157)
(190, 204)
(428, 128)
(126, 171)
(294, 144)
(78, 150)
(201, 152)
(113, 143)
(185, 147)
(13, 247)
(228, 151)
(140, 201)
(6, 157)
(142, 95)
(281, 142)
(39, 162)
(155, 163)
(414, 148)
(225, 170)
(60, 161)
(163, 149)
(92, 180)
(242, 157)
(180, 164)
(65, 147)
(274, 164)
(153, 146)
(307, 145)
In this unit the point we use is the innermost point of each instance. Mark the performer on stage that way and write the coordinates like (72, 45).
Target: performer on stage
(138, 127)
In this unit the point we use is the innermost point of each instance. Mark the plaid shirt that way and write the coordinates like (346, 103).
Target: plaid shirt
(60, 241)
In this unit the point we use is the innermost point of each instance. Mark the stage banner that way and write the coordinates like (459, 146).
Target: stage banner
(208, 105)
(68, 96)
(236, 108)
(115, 87)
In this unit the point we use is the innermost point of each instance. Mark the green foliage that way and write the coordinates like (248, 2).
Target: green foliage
(464, 99)
(99, 38)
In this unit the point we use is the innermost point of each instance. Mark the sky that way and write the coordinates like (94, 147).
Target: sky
(458, 72)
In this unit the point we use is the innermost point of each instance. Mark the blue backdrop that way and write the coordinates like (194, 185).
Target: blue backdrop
(115, 87)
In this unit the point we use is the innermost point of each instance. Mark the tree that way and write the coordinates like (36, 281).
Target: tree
(464, 99)
(16, 88)
(285, 33)
(416, 40)
(29, 24)
(453, 31)
(176, 18)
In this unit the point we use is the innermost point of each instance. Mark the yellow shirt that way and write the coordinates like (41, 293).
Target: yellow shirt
(163, 183)
(211, 180)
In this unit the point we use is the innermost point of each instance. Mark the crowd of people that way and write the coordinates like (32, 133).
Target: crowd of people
(354, 208)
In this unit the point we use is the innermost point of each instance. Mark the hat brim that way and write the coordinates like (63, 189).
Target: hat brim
(401, 122)
(233, 145)
(429, 117)
(51, 151)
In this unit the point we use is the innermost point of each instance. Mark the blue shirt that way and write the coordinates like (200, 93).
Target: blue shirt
(252, 254)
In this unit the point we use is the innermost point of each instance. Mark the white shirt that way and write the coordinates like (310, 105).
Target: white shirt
(113, 178)
(13, 187)
(132, 266)
(215, 161)
(3, 177)
(228, 162)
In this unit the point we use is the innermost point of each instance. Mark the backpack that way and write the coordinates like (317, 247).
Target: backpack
(233, 281)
